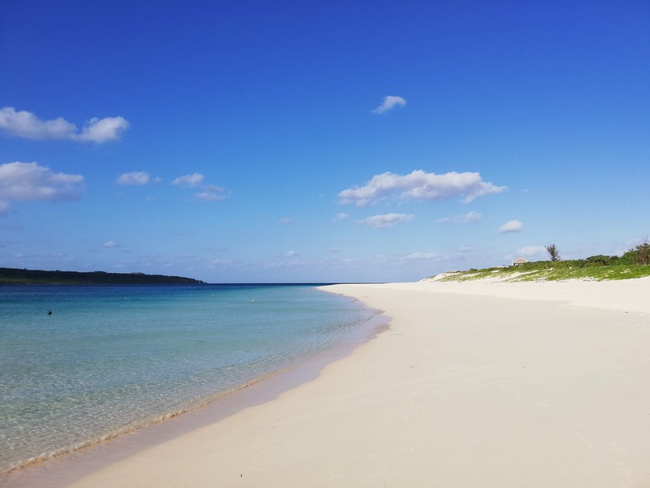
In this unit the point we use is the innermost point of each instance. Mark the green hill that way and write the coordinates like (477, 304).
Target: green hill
(17, 276)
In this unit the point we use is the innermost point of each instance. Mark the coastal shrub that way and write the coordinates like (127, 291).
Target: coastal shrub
(633, 263)
(642, 254)
(541, 271)
(639, 255)
(602, 260)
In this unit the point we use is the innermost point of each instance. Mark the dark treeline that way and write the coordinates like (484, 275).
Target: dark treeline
(17, 276)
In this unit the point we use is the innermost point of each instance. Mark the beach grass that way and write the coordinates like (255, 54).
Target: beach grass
(542, 272)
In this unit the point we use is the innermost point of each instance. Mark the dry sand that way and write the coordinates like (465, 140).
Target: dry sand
(471, 386)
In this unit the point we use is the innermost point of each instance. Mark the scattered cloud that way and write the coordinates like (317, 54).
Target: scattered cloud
(462, 218)
(4, 208)
(27, 125)
(389, 103)
(110, 244)
(286, 220)
(327, 264)
(421, 256)
(209, 196)
(222, 261)
(420, 185)
(213, 188)
(349, 261)
(24, 182)
(133, 178)
(334, 250)
(192, 180)
(291, 253)
(341, 217)
(103, 130)
(511, 227)
(386, 221)
(531, 251)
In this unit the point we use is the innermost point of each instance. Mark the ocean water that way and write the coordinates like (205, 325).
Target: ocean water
(110, 359)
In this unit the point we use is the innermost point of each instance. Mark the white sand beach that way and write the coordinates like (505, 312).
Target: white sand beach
(475, 384)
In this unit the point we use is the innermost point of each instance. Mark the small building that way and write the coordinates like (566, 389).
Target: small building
(519, 261)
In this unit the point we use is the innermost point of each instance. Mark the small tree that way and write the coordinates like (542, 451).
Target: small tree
(642, 253)
(553, 251)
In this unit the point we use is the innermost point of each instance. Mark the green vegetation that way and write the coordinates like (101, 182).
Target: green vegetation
(16, 276)
(527, 273)
(635, 263)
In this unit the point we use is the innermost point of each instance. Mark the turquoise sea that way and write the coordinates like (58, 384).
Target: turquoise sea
(110, 359)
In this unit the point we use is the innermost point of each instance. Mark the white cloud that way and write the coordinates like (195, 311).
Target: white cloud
(532, 251)
(4, 208)
(422, 186)
(511, 227)
(24, 182)
(192, 180)
(103, 130)
(27, 125)
(421, 256)
(350, 261)
(341, 217)
(285, 220)
(110, 244)
(209, 197)
(134, 178)
(390, 102)
(290, 253)
(462, 218)
(386, 221)
(221, 261)
(212, 188)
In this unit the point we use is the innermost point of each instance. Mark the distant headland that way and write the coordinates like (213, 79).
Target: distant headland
(18, 276)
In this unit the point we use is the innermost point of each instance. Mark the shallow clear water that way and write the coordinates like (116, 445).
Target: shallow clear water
(112, 358)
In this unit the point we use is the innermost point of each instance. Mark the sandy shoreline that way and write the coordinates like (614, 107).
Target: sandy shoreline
(63, 470)
(473, 385)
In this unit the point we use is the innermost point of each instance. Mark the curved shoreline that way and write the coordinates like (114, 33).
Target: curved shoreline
(464, 390)
(468, 389)
(68, 464)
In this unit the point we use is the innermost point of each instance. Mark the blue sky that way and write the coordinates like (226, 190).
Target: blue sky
(240, 141)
